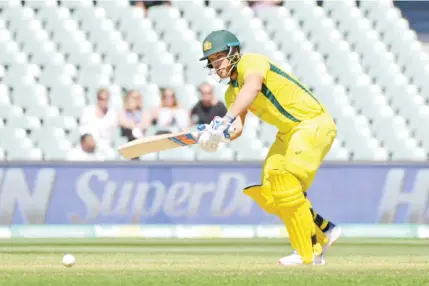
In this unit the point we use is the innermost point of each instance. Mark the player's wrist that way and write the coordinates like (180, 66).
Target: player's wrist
(229, 118)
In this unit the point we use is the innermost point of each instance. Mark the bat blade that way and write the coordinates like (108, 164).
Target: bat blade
(157, 143)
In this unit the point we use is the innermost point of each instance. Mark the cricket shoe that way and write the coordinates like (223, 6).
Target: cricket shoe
(294, 259)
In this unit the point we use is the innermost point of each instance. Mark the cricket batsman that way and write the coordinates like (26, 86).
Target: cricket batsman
(305, 134)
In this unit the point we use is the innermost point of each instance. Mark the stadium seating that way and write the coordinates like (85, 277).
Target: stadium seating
(364, 63)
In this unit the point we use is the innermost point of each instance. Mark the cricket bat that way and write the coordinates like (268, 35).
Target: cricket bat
(157, 143)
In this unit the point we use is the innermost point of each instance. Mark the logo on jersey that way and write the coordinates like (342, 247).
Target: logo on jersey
(207, 46)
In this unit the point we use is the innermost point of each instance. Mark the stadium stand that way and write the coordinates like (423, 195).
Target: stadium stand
(363, 61)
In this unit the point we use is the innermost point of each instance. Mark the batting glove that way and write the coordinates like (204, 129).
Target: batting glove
(224, 125)
(209, 138)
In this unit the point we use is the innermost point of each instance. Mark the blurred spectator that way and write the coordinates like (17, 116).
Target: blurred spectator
(100, 120)
(145, 5)
(169, 117)
(86, 151)
(208, 107)
(255, 5)
(133, 120)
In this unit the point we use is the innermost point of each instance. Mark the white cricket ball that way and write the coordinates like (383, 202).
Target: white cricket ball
(68, 260)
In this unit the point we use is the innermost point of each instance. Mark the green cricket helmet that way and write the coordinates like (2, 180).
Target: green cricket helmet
(219, 41)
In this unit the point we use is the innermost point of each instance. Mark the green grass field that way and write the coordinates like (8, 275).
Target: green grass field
(209, 262)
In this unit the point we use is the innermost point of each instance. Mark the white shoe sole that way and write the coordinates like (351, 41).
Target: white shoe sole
(333, 237)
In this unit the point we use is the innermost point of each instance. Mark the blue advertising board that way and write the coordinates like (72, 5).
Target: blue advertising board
(138, 193)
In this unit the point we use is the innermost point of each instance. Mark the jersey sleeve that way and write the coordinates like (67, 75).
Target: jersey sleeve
(253, 64)
(229, 96)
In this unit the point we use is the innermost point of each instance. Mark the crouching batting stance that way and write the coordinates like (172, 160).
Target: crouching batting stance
(305, 135)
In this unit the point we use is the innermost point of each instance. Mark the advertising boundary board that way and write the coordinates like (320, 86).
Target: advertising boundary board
(201, 193)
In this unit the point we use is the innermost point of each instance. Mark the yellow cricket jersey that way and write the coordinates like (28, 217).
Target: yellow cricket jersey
(283, 100)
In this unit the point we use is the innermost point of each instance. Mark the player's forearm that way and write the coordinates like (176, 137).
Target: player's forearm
(238, 126)
(244, 99)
